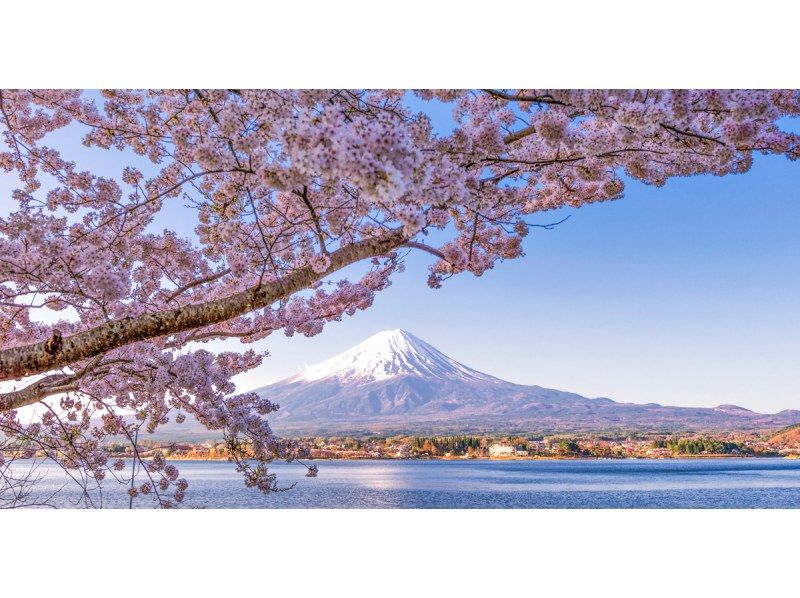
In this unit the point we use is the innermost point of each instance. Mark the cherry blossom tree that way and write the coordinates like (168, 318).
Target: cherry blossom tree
(105, 314)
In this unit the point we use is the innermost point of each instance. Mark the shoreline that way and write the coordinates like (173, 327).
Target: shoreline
(546, 458)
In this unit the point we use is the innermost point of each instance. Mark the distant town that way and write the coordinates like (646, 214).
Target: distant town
(785, 442)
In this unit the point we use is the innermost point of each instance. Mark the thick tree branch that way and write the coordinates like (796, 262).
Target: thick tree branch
(18, 362)
(46, 387)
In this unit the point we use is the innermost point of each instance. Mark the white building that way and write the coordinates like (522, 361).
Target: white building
(501, 450)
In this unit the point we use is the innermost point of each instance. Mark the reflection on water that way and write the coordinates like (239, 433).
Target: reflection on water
(700, 483)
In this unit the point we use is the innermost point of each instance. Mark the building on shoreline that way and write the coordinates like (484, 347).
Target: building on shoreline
(501, 450)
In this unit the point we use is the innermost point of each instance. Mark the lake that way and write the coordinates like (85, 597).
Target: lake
(607, 484)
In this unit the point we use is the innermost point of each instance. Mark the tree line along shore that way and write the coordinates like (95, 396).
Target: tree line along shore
(784, 442)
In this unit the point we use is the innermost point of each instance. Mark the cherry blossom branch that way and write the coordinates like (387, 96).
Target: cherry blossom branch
(423, 247)
(41, 357)
(44, 387)
(543, 99)
(195, 283)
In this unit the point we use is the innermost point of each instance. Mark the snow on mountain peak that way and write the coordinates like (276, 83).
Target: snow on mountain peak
(388, 354)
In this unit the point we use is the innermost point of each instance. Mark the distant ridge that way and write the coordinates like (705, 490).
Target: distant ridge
(396, 382)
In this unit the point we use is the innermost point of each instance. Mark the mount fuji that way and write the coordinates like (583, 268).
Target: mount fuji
(396, 382)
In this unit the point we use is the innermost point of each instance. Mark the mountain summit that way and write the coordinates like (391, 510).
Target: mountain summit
(389, 354)
(396, 382)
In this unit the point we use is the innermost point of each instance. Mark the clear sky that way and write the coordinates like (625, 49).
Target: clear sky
(685, 295)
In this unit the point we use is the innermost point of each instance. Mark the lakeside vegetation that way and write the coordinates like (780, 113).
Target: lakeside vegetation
(502, 447)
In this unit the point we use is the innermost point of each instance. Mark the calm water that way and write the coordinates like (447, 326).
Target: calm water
(621, 484)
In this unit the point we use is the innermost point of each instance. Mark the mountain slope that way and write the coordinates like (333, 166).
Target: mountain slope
(789, 436)
(395, 382)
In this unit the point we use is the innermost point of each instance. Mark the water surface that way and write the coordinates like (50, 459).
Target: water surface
(608, 484)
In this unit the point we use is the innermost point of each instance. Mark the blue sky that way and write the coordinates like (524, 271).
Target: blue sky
(686, 295)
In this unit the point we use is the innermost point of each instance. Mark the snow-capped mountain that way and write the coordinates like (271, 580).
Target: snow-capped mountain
(389, 354)
(396, 382)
